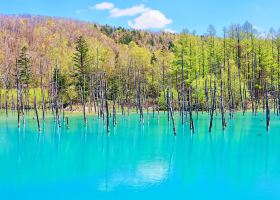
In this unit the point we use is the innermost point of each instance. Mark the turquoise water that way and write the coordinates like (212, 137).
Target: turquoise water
(140, 162)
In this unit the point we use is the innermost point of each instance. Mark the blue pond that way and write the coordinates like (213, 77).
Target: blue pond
(140, 162)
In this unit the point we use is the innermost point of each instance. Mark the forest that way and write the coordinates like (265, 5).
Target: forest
(62, 65)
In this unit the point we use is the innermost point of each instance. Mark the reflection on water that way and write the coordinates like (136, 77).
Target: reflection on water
(145, 175)
(137, 162)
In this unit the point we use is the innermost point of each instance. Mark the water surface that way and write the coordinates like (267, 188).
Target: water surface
(140, 162)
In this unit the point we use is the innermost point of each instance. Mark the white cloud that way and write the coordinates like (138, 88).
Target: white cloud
(146, 18)
(103, 6)
(135, 10)
(150, 19)
(168, 30)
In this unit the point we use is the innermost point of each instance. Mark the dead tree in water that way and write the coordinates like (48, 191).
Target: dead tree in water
(92, 89)
(278, 78)
(221, 99)
(0, 101)
(51, 91)
(139, 98)
(203, 75)
(122, 101)
(21, 102)
(42, 91)
(128, 91)
(96, 74)
(135, 84)
(178, 91)
(17, 85)
(169, 105)
(114, 111)
(6, 83)
(239, 69)
(7, 100)
(153, 86)
(252, 76)
(102, 95)
(56, 97)
(182, 107)
(213, 107)
(196, 95)
(189, 91)
(106, 104)
(267, 108)
(189, 95)
(84, 100)
(229, 89)
(163, 87)
(230, 101)
(36, 112)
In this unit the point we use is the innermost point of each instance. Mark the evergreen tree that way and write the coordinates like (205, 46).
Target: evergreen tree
(81, 69)
(24, 69)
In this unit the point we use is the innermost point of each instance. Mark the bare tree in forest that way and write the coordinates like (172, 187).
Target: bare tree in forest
(182, 106)
(238, 60)
(267, 107)
(42, 91)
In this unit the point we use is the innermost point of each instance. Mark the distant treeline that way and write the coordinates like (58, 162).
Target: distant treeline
(82, 63)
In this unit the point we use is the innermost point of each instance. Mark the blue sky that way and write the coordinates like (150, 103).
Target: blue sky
(170, 15)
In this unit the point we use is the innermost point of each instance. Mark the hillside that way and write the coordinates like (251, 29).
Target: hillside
(242, 60)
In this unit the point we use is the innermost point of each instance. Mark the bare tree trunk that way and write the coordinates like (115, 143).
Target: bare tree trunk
(106, 105)
(1, 100)
(267, 107)
(239, 69)
(278, 77)
(139, 99)
(42, 91)
(170, 109)
(196, 95)
(190, 109)
(7, 100)
(153, 94)
(36, 112)
(56, 97)
(17, 84)
(114, 111)
(83, 98)
(128, 91)
(213, 107)
(222, 100)
(92, 90)
(182, 109)
(163, 87)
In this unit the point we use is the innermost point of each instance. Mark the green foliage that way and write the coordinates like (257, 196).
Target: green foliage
(24, 68)
(81, 64)
(243, 56)
(62, 85)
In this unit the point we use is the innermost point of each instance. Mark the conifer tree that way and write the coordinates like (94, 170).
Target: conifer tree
(24, 69)
(81, 69)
